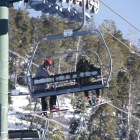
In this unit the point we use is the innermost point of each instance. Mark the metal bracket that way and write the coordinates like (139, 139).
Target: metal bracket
(68, 33)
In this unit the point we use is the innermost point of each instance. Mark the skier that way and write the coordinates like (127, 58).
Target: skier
(84, 65)
(43, 71)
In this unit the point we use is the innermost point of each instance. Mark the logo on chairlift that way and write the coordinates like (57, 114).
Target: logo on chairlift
(68, 33)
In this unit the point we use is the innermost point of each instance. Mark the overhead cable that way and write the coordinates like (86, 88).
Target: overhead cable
(22, 57)
(120, 16)
(123, 111)
(132, 51)
(52, 120)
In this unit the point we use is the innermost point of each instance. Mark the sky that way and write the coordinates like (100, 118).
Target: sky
(128, 9)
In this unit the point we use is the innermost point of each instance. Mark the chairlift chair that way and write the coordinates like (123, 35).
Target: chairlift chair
(66, 77)
(75, 76)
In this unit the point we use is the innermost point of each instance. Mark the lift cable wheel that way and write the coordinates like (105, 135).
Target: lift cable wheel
(102, 83)
(52, 7)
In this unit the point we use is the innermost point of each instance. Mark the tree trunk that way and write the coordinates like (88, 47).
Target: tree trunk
(16, 73)
(34, 111)
(129, 110)
(100, 125)
(77, 49)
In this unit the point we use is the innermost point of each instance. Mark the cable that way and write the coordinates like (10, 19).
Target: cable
(52, 120)
(119, 15)
(22, 57)
(132, 51)
(136, 54)
(124, 111)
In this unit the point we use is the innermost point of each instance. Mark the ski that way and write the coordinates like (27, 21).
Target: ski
(52, 120)
(39, 112)
(56, 110)
(93, 106)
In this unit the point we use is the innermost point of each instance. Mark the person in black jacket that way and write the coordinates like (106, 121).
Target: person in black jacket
(84, 65)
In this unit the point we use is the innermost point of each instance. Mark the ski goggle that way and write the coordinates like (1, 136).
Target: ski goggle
(47, 64)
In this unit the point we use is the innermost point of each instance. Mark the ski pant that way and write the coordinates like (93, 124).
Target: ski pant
(44, 104)
(51, 102)
(86, 93)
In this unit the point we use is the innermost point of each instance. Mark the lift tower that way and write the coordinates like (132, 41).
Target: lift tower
(4, 46)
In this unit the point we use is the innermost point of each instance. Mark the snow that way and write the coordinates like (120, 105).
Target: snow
(17, 107)
(19, 102)
(17, 110)
(23, 89)
(15, 122)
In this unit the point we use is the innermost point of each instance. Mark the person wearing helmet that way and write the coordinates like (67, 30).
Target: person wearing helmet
(44, 71)
(84, 65)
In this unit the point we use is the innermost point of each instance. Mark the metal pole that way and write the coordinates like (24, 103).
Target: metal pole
(4, 43)
(0, 119)
(138, 135)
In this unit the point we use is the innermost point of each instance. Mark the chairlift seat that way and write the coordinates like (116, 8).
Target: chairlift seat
(67, 76)
(74, 85)
(64, 89)
(69, 89)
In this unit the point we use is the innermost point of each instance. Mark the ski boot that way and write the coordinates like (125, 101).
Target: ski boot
(90, 101)
(98, 99)
(44, 114)
(53, 108)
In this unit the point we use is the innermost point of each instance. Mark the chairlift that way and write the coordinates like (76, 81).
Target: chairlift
(70, 77)
(100, 83)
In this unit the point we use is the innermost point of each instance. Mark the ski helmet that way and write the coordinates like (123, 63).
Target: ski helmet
(84, 57)
(48, 62)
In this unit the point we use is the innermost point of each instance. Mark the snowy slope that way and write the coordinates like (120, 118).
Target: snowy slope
(20, 102)
(17, 106)
(23, 89)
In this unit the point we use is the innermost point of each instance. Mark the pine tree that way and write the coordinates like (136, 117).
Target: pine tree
(105, 123)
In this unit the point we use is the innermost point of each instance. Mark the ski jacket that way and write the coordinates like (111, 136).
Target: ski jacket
(84, 65)
(42, 72)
